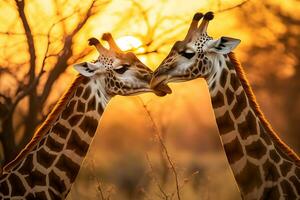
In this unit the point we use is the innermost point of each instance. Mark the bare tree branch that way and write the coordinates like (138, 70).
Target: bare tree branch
(31, 47)
(233, 7)
(66, 53)
(27, 90)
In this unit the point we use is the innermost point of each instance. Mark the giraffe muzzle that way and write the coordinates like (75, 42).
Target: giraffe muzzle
(158, 83)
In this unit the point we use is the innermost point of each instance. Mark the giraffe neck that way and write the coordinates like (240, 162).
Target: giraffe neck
(53, 158)
(260, 165)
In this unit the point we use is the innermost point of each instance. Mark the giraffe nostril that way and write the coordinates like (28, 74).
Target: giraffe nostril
(161, 70)
(147, 77)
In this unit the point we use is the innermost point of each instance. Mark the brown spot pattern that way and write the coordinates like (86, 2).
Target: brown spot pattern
(256, 149)
(230, 65)
(53, 195)
(274, 156)
(41, 195)
(68, 110)
(248, 127)
(229, 96)
(92, 104)
(296, 183)
(218, 100)
(233, 150)
(80, 106)
(234, 82)
(100, 109)
(56, 183)
(79, 91)
(76, 144)
(270, 171)
(85, 80)
(271, 193)
(249, 178)
(68, 166)
(45, 158)
(223, 77)
(4, 188)
(54, 145)
(297, 171)
(29, 196)
(264, 135)
(225, 123)
(27, 166)
(240, 105)
(74, 119)
(283, 154)
(89, 125)
(60, 130)
(285, 168)
(87, 93)
(287, 190)
(36, 178)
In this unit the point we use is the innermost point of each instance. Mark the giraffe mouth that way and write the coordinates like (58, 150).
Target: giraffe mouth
(162, 90)
(159, 85)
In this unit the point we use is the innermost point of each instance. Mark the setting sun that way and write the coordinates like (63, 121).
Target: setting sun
(128, 42)
(131, 43)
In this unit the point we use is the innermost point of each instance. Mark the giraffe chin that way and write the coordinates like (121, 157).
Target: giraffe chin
(160, 87)
(162, 90)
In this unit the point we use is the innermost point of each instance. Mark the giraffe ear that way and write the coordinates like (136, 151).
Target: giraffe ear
(223, 45)
(86, 68)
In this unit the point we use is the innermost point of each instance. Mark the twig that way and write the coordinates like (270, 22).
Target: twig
(27, 90)
(233, 7)
(9, 33)
(6, 98)
(188, 179)
(163, 146)
(99, 185)
(155, 179)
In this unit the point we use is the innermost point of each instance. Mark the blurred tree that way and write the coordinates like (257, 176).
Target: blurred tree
(27, 86)
(273, 61)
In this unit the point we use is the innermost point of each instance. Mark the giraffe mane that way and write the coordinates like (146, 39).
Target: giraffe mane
(253, 103)
(46, 125)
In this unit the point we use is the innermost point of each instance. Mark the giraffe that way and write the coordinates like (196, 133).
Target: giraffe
(263, 166)
(48, 165)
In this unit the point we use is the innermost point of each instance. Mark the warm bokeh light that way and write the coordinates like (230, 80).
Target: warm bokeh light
(129, 43)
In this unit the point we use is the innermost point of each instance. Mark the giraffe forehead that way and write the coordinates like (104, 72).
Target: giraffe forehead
(105, 61)
(200, 41)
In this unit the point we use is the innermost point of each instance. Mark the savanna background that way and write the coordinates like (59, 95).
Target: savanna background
(146, 147)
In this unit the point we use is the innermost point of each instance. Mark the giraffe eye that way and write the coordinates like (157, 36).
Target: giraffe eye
(122, 69)
(187, 53)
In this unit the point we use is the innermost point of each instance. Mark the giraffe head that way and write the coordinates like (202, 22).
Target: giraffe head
(195, 56)
(122, 73)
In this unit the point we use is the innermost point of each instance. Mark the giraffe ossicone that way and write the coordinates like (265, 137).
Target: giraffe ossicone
(263, 166)
(47, 167)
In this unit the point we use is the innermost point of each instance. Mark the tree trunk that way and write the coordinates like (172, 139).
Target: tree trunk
(8, 141)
